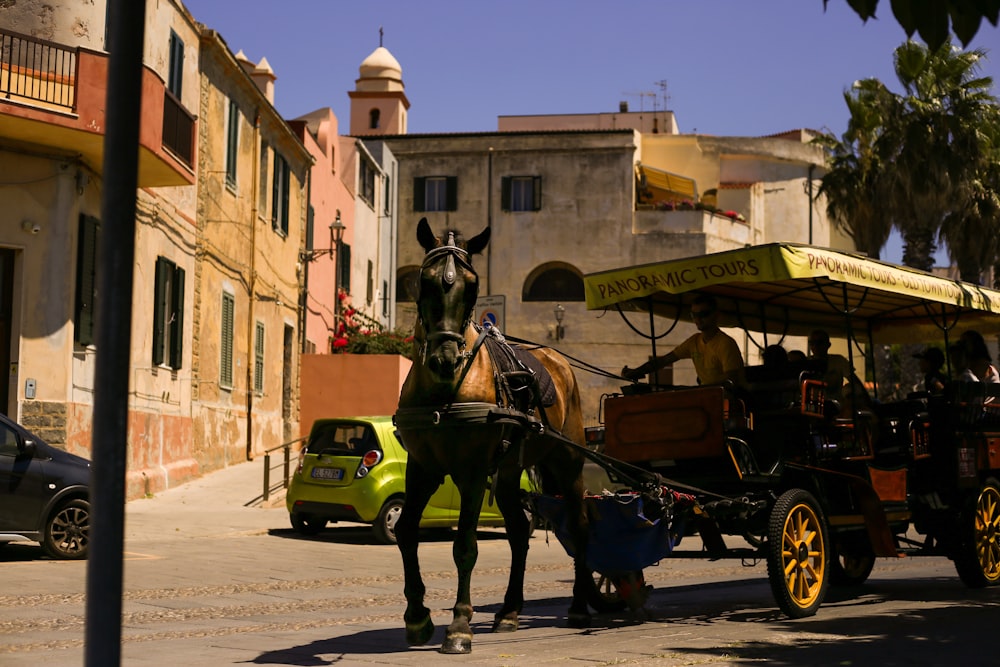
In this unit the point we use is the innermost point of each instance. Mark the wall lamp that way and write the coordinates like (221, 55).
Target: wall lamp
(336, 236)
(559, 332)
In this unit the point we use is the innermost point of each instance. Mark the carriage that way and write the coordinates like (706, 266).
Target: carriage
(772, 470)
(763, 470)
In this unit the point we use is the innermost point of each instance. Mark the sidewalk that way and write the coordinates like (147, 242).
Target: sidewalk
(225, 501)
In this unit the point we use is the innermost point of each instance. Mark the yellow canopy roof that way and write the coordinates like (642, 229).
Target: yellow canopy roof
(666, 186)
(792, 288)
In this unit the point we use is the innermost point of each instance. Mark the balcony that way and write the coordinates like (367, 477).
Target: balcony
(53, 97)
(696, 222)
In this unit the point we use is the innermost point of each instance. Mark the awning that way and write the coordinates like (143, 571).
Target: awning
(665, 186)
(792, 288)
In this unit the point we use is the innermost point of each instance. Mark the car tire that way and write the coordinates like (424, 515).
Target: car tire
(385, 523)
(66, 534)
(306, 524)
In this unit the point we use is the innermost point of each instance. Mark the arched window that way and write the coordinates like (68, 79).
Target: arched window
(555, 281)
(373, 119)
(408, 284)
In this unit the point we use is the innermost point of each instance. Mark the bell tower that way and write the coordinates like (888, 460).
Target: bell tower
(378, 101)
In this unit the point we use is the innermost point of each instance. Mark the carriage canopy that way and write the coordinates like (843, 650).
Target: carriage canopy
(786, 288)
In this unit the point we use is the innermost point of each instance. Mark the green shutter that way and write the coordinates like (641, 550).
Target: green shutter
(160, 308)
(177, 319)
(344, 262)
(536, 193)
(505, 193)
(451, 193)
(419, 194)
(258, 358)
(86, 279)
(226, 343)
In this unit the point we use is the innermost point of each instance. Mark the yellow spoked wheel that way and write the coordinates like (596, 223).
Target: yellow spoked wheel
(798, 559)
(978, 558)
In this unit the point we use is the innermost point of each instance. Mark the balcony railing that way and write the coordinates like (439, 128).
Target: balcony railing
(37, 71)
(178, 128)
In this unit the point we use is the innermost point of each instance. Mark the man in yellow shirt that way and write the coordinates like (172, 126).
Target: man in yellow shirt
(715, 354)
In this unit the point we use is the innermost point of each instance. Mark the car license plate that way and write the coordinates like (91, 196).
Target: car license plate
(328, 473)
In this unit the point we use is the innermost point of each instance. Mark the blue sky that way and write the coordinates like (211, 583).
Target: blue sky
(730, 67)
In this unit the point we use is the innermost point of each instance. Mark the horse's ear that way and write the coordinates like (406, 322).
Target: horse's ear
(477, 243)
(425, 236)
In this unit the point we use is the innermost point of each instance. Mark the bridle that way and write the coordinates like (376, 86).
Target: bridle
(454, 257)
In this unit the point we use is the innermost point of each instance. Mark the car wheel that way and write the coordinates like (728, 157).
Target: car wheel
(385, 522)
(66, 534)
(306, 524)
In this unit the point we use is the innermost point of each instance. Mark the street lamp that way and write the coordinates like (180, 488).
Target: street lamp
(560, 312)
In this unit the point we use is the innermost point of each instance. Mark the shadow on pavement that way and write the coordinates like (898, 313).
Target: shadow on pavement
(356, 534)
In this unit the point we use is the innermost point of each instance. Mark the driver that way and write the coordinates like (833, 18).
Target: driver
(715, 354)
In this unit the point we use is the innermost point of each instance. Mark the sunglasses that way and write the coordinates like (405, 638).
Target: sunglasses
(701, 314)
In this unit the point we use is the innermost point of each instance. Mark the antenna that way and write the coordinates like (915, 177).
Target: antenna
(380, 32)
(662, 84)
(642, 95)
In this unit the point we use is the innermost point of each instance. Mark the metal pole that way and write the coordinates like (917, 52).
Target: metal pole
(116, 253)
(267, 477)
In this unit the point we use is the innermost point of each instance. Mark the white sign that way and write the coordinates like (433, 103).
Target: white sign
(490, 311)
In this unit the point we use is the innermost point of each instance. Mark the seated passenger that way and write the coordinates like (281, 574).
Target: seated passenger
(931, 361)
(843, 387)
(715, 354)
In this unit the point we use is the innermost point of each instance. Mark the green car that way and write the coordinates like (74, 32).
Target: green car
(354, 469)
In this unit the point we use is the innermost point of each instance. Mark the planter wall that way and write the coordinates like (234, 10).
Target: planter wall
(349, 385)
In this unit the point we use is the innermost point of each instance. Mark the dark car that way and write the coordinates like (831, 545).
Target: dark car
(44, 494)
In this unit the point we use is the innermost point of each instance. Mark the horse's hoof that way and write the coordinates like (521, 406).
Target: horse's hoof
(418, 634)
(504, 624)
(578, 620)
(457, 643)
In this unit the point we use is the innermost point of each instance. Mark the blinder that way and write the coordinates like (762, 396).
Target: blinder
(454, 258)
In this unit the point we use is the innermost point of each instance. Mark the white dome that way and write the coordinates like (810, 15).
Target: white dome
(381, 65)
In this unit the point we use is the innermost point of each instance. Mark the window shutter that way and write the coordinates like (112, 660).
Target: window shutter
(451, 193)
(536, 192)
(419, 194)
(505, 193)
(160, 307)
(86, 279)
(177, 320)
(226, 344)
(175, 81)
(344, 261)
(258, 358)
(285, 191)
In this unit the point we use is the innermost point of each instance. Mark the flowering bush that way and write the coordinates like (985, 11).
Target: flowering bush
(359, 334)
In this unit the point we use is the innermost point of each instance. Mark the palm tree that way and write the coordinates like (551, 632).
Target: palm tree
(852, 183)
(938, 144)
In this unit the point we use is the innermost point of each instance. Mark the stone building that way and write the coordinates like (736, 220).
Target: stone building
(571, 194)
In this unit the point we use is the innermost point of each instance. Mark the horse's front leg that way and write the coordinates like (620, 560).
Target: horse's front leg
(518, 529)
(465, 551)
(420, 485)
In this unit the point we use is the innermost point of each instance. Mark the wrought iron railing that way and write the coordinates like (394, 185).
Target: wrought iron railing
(178, 128)
(285, 466)
(38, 71)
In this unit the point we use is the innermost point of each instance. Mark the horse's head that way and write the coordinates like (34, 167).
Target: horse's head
(448, 290)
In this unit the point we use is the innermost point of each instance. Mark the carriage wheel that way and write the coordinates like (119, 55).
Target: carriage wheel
(978, 557)
(798, 558)
(606, 599)
(850, 569)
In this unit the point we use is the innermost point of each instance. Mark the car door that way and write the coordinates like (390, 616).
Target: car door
(21, 492)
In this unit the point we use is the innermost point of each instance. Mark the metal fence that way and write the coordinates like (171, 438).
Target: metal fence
(284, 465)
(36, 70)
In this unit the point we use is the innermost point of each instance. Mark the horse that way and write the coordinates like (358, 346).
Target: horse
(456, 418)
